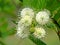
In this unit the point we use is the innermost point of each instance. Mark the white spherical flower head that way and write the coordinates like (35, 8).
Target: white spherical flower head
(22, 32)
(19, 33)
(42, 17)
(39, 32)
(27, 11)
(26, 21)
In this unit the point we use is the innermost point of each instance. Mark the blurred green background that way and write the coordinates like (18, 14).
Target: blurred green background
(9, 16)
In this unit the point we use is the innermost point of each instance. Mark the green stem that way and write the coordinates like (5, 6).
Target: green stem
(36, 41)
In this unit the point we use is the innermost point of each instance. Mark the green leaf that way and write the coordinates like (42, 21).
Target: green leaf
(35, 4)
(57, 17)
(52, 4)
(36, 41)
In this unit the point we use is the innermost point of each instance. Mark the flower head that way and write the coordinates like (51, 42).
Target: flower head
(26, 21)
(27, 11)
(39, 32)
(42, 17)
(22, 32)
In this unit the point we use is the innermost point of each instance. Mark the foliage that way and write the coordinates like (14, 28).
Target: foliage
(7, 16)
(9, 9)
(52, 5)
(46, 4)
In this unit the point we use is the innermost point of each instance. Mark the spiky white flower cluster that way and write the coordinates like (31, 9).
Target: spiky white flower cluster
(27, 11)
(39, 32)
(27, 16)
(26, 21)
(22, 32)
(42, 17)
